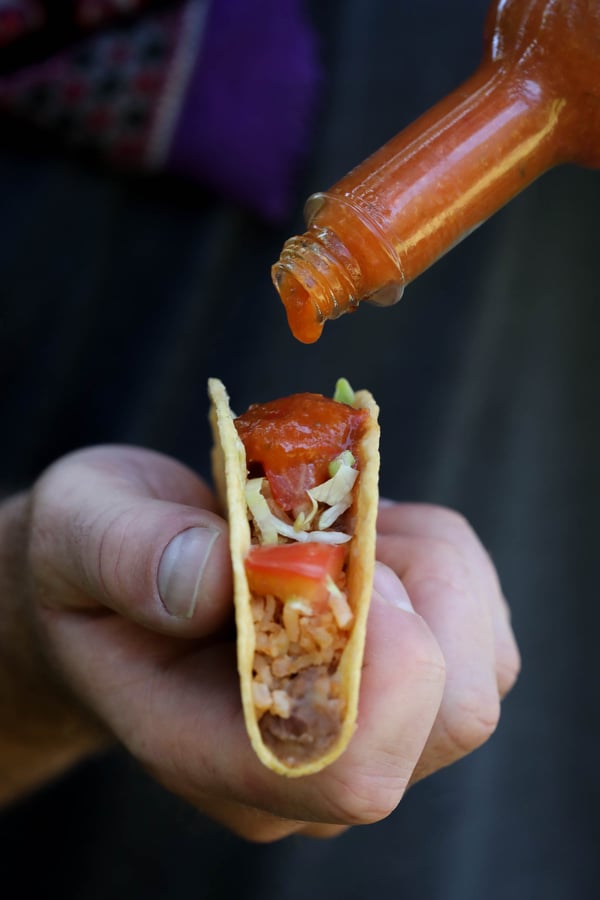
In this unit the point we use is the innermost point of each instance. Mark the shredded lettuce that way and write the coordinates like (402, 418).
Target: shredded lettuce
(270, 526)
(337, 489)
(303, 519)
(320, 537)
(338, 602)
(345, 457)
(329, 516)
(259, 508)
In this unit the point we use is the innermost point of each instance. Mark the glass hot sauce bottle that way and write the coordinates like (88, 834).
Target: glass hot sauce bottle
(533, 103)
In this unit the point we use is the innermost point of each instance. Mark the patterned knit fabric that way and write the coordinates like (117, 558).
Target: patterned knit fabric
(221, 91)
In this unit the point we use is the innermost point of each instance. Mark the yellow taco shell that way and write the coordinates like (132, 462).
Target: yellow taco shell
(230, 476)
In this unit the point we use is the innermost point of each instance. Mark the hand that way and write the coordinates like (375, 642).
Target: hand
(453, 585)
(114, 544)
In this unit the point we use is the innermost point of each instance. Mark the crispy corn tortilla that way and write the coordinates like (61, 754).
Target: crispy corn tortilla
(230, 474)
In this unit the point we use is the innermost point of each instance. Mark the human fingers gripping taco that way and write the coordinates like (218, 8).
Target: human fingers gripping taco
(298, 477)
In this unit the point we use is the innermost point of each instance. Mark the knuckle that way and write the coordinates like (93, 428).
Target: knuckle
(453, 521)
(452, 526)
(442, 565)
(456, 529)
(428, 663)
(473, 721)
(364, 796)
(118, 566)
(323, 832)
(508, 668)
(106, 562)
(259, 830)
(45, 523)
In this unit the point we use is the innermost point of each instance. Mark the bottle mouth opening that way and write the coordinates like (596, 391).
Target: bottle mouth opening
(304, 315)
(317, 280)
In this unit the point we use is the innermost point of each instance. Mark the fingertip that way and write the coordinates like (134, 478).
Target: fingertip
(389, 588)
(403, 681)
(401, 647)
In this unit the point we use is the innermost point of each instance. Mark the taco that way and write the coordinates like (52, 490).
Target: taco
(298, 478)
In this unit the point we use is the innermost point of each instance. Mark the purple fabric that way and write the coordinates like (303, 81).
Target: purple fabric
(219, 91)
(246, 117)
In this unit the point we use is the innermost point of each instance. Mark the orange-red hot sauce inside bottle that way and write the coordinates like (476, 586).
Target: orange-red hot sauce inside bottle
(533, 103)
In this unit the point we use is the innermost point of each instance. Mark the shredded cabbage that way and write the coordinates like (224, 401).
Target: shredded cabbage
(303, 519)
(320, 537)
(329, 516)
(269, 525)
(337, 489)
(345, 457)
(339, 604)
(259, 508)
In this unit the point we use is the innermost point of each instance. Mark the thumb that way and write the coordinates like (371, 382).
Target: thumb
(133, 531)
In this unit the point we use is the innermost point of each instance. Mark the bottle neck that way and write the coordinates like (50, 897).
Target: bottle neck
(399, 211)
(434, 183)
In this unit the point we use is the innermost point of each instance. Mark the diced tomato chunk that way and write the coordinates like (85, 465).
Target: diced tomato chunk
(294, 570)
(294, 439)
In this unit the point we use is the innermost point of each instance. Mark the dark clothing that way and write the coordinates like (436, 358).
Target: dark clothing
(120, 297)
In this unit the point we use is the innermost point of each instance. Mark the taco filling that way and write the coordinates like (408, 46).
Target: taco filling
(303, 456)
